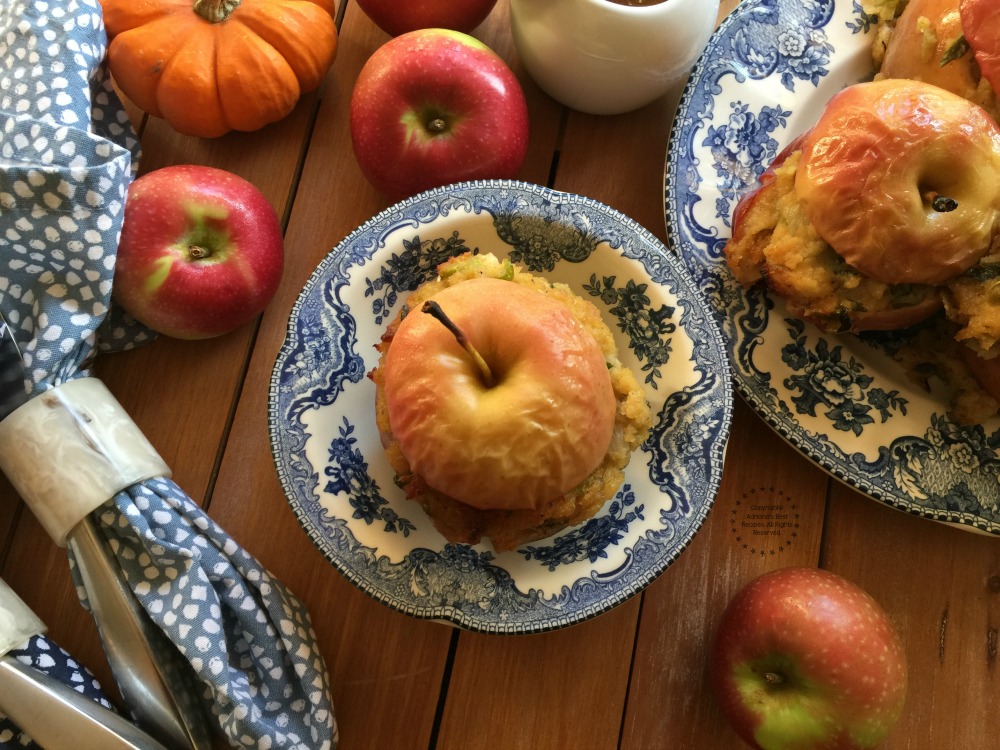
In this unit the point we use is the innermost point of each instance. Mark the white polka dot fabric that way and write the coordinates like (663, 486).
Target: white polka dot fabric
(67, 156)
(249, 640)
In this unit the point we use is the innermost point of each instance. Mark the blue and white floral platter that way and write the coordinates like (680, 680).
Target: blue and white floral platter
(764, 78)
(330, 460)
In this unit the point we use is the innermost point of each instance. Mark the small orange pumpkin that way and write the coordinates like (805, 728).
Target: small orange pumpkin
(211, 66)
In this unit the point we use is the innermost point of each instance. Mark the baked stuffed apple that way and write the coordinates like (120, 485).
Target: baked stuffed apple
(885, 212)
(502, 404)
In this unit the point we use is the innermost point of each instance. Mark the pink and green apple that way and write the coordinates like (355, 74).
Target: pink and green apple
(804, 659)
(201, 252)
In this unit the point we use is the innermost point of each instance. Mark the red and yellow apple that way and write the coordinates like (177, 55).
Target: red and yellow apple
(526, 430)
(433, 107)
(804, 659)
(902, 179)
(200, 254)
(395, 17)
(772, 243)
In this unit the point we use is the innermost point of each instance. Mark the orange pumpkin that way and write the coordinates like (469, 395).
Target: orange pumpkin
(211, 66)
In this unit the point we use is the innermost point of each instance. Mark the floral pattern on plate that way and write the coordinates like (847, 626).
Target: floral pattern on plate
(328, 452)
(841, 400)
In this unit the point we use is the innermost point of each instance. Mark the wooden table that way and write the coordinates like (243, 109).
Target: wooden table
(632, 678)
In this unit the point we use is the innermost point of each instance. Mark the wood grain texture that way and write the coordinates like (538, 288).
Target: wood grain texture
(941, 586)
(633, 678)
(376, 657)
(563, 689)
(671, 703)
(557, 674)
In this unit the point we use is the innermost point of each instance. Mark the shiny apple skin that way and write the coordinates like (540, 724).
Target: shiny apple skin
(876, 153)
(909, 54)
(747, 259)
(981, 25)
(397, 17)
(158, 281)
(436, 73)
(841, 668)
(535, 434)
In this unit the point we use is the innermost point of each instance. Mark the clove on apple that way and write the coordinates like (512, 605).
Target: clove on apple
(941, 203)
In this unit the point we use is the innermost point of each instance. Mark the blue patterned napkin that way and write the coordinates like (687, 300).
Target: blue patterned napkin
(67, 156)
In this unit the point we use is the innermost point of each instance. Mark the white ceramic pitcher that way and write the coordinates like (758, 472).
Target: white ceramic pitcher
(601, 57)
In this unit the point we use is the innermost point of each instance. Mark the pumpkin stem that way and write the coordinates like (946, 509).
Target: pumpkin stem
(215, 11)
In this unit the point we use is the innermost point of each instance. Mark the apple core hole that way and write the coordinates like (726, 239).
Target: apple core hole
(777, 674)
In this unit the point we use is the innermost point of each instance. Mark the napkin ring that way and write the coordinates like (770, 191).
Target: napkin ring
(17, 622)
(70, 450)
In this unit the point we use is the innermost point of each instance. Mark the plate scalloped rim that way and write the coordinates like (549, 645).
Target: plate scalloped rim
(417, 573)
(895, 470)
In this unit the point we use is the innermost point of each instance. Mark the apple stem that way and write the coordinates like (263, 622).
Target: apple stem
(434, 309)
(773, 678)
(437, 125)
(197, 252)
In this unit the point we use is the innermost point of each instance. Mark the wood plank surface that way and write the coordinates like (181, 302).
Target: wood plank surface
(682, 608)
(941, 586)
(376, 657)
(633, 678)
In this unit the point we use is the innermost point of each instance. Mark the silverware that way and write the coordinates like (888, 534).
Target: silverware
(157, 687)
(53, 714)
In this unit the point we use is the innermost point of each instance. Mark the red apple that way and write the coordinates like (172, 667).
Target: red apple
(201, 252)
(981, 25)
(803, 659)
(435, 106)
(396, 17)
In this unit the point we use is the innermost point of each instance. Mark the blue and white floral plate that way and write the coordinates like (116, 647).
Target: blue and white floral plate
(330, 460)
(764, 77)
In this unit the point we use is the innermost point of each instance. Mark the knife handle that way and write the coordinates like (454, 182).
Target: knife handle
(54, 715)
(157, 686)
